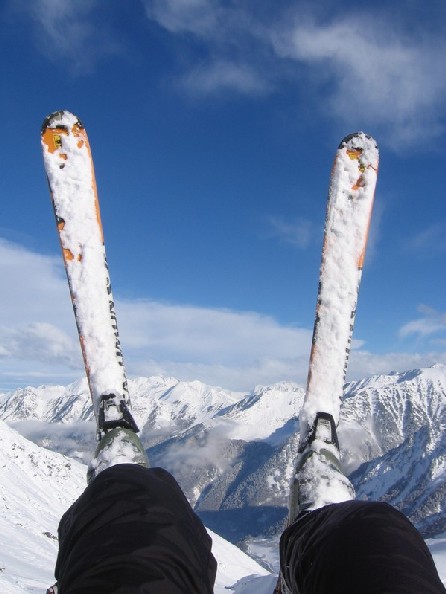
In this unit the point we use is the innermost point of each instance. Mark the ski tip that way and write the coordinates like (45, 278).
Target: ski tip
(358, 140)
(60, 119)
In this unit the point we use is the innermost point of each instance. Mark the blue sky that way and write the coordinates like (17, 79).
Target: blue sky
(213, 127)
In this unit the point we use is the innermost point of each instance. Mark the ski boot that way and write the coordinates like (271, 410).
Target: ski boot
(318, 478)
(118, 439)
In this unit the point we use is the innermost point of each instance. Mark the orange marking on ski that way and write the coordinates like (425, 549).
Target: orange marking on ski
(98, 213)
(69, 256)
(84, 356)
(312, 356)
(52, 139)
(362, 254)
(360, 183)
(80, 132)
(49, 139)
(354, 154)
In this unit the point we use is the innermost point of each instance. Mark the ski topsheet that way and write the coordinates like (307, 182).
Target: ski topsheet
(70, 172)
(349, 208)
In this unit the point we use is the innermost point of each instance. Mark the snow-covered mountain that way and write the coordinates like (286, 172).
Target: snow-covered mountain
(385, 410)
(405, 420)
(232, 452)
(228, 450)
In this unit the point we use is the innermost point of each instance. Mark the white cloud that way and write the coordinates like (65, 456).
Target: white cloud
(432, 322)
(364, 363)
(300, 233)
(65, 31)
(185, 16)
(36, 288)
(422, 327)
(233, 349)
(38, 341)
(431, 239)
(41, 342)
(363, 69)
(228, 33)
(236, 350)
(376, 72)
(37, 333)
(221, 75)
(206, 332)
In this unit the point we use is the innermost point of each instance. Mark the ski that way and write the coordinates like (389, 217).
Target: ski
(70, 173)
(349, 209)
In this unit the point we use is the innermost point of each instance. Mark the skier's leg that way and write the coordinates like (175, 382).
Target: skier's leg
(132, 530)
(355, 546)
(337, 545)
(318, 479)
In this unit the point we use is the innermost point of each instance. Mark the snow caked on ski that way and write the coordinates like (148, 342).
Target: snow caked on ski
(70, 172)
(349, 208)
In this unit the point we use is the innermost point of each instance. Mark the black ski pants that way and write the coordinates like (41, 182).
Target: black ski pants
(133, 531)
(357, 547)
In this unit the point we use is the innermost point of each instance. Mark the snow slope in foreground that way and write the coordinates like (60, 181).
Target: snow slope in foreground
(36, 487)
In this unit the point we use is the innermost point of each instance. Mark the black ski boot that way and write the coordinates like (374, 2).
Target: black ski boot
(318, 479)
(118, 439)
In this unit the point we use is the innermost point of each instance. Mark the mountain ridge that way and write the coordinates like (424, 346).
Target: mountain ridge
(233, 452)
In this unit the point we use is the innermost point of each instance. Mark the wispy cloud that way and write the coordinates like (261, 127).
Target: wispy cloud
(380, 75)
(300, 233)
(375, 229)
(65, 30)
(431, 239)
(232, 44)
(200, 17)
(364, 363)
(432, 322)
(376, 72)
(218, 76)
(360, 67)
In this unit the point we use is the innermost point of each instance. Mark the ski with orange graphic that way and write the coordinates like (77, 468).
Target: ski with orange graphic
(317, 477)
(349, 208)
(70, 172)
